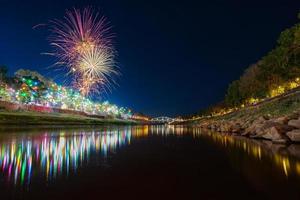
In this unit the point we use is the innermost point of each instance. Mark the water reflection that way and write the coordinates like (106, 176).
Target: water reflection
(166, 130)
(285, 158)
(50, 154)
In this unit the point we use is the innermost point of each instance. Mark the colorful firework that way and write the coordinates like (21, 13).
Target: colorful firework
(97, 68)
(83, 46)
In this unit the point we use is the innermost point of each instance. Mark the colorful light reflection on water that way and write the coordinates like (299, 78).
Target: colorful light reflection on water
(51, 154)
(56, 153)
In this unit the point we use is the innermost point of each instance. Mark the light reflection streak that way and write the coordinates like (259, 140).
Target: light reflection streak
(61, 153)
(166, 130)
(258, 149)
(57, 153)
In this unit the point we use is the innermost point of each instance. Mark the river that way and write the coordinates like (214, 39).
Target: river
(144, 162)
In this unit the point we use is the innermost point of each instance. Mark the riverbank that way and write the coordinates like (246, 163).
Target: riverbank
(277, 120)
(55, 119)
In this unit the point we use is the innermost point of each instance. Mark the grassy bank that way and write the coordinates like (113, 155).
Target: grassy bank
(277, 107)
(33, 118)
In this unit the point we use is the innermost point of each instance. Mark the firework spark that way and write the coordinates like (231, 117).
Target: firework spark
(83, 46)
(97, 68)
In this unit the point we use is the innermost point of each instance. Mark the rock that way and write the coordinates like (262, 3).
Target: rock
(236, 128)
(294, 123)
(261, 119)
(227, 127)
(272, 131)
(248, 131)
(281, 128)
(251, 130)
(281, 120)
(277, 135)
(245, 125)
(255, 127)
(272, 134)
(294, 135)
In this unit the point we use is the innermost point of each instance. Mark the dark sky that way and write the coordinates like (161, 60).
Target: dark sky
(176, 57)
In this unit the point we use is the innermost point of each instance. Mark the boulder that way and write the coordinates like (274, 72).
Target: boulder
(272, 131)
(236, 128)
(294, 123)
(281, 120)
(225, 127)
(255, 126)
(248, 131)
(261, 119)
(251, 130)
(276, 134)
(245, 125)
(271, 134)
(281, 128)
(294, 135)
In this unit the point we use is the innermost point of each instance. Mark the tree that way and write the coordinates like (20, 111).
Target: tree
(33, 74)
(249, 85)
(233, 96)
(24, 94)
(3, 74)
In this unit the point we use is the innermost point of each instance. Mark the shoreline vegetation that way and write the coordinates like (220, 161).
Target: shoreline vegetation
(277, 120)
(30, 91)
(264, 103)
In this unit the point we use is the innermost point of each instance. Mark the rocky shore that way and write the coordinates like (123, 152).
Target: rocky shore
(283, 129)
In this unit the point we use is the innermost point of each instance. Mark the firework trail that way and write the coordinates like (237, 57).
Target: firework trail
(83, 46)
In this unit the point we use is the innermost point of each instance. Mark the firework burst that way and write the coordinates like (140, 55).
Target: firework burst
(97, 69)
(83, 46)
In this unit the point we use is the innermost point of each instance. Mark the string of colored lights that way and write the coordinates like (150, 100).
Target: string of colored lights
(34, 92)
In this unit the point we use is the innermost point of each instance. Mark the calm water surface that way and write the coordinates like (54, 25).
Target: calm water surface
(144, 162)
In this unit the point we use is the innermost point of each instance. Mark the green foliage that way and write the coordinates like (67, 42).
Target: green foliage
(286, 38)
(280, 65)
(250, 85)
(4, 94)
(34, 75)
(31, 89)
(233, 96)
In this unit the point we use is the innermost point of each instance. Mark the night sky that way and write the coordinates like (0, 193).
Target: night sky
(175, 57)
